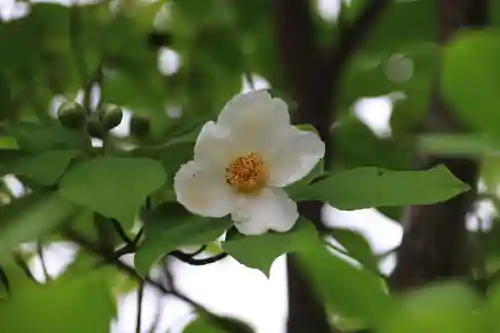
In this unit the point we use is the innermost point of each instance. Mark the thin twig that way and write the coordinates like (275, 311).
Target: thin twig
(23, 265)
(76, 47)
(4, 279)
(140, 295)
(188, 258)
(111, 259)
(39, 249)
(351, 36)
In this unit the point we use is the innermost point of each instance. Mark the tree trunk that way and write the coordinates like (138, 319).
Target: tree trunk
(434, 245)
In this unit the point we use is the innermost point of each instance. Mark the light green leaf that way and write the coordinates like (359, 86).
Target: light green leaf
(260, 251)
(351, 292)
(170, 226)
(78, 305)
(112, 186)
(31, 216)
(356, 245)
(492, 309)
(458, 144)
(470, 81)
(207, 323)
(367, 187)
(45, 168)
(446, 308)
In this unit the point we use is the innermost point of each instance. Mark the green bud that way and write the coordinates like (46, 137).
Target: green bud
(71, 115)
(111, 116)
(94, 128)
(139, 126)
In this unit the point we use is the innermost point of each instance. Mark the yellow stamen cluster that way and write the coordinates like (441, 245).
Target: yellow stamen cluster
(247, 174)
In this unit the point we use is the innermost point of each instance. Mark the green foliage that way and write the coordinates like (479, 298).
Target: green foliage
(57, 52)
(471, 60)
(170, 226)
(449, 307)
(214, 324)
(44, 168)
(386, 188)
(356, 245)
(35, 214)
(466, 145)
(260, 251)
(113, 186)
(66, 305)
(349, 291)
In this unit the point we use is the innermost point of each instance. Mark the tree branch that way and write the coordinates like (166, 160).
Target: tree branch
(351, 36)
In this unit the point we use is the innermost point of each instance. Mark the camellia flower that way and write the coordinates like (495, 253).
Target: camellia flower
(242, 162)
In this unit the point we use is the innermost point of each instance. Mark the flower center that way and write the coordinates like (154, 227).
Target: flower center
(247, 173)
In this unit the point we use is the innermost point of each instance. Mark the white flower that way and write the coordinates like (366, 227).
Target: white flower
(242, 161)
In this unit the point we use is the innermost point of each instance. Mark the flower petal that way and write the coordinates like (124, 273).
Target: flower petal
(214, 146)
(272, 209)
(296, 158)
(255, 119)
(203, 192)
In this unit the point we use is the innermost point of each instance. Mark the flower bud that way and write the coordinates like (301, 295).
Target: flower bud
(71, 115)
(111, 116)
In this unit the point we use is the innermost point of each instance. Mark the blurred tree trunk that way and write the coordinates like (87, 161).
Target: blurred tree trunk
(434, 244)
(311, 75)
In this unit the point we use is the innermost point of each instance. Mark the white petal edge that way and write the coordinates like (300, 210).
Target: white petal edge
(296, 158)
(214, 146)
(255, 118)
(203, 192)
(272, 209)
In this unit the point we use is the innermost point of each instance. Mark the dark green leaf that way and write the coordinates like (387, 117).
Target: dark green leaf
(44, 168)
(367, 187)
(260, 251)
(356, 245)
(113, 186)
(207, 323)
(33, 137)
(170, 226)
(5, 96)
(31, 216)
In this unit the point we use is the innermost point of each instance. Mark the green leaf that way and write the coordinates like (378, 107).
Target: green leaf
(207, 323)
(33, 137)
(45, 168)
(469, 79)
(458, 144)
(446, 308)
(31, 216)
(260, 251)
(351, 292)
(356, 245)
(170, 226)
(5, 96)
(66, 305)
(401, 25)
(493, 308)
(367, 187)
(113, 186)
